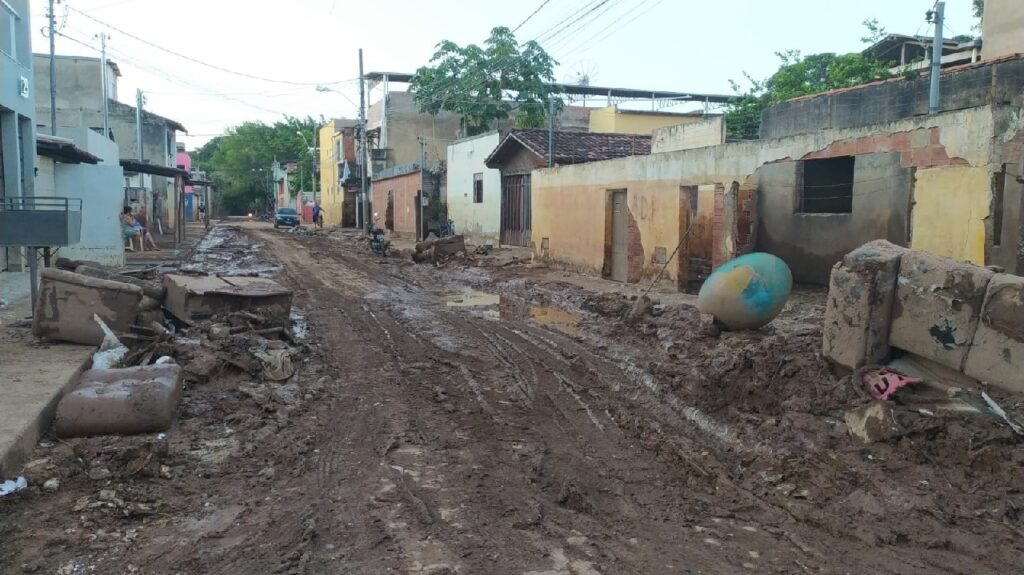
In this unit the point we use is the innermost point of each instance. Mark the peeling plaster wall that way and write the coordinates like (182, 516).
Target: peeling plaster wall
(569, 201)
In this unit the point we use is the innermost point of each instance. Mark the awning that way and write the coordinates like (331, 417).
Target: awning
(63, 150)
(137, 167)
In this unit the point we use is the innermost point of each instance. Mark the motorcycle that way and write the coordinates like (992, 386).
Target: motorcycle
(447, 229)
(379, 244)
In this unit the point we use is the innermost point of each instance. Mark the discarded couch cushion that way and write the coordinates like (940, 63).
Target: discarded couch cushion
(140, 399)
(997, 352)
(67, 301)
(938, 302)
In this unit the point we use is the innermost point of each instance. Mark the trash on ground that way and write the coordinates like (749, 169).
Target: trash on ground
(882, 382)
(277, 363)
(13, 485)
(111, 351)
(439, 250)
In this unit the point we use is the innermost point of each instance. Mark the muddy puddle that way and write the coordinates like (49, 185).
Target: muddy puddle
(507, 307)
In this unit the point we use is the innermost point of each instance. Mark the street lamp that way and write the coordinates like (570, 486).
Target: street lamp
(312, 158)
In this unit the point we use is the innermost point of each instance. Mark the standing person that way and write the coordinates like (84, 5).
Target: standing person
(318, 215)
(202, 215)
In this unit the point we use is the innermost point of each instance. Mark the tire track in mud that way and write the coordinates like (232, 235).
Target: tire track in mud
(524, 447)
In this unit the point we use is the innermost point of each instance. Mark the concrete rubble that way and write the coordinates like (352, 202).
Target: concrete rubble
(439, 250)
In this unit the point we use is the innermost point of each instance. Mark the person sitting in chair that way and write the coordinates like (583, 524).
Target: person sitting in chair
(128, 228)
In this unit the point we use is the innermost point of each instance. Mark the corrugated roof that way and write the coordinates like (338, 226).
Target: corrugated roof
(571, 147)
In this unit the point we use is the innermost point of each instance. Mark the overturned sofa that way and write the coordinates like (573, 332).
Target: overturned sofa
(966, 318)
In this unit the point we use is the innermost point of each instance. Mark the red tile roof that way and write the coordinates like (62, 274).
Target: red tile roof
(571, 147)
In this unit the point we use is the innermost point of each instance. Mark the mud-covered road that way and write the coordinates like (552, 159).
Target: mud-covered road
(539, 434)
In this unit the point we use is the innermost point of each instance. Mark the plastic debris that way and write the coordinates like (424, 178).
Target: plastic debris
(882, 382)
(277, 363)
(111, 351)
(1001, 414)
(13, 485)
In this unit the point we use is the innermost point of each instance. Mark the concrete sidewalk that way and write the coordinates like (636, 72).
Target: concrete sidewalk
(33, 378)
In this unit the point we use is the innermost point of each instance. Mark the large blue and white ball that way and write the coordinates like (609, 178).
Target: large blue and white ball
(747, 292)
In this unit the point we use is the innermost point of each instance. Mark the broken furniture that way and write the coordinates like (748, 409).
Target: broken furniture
(140, 399)
(962, 317)
(195, 298)
(67, 302)
(39, 223)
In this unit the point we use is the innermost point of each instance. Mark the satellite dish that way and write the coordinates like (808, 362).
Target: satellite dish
(582, 73)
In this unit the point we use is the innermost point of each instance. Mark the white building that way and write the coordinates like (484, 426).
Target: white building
(474, 190)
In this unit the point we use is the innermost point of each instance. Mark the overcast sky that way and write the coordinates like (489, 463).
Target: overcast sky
(680, 45)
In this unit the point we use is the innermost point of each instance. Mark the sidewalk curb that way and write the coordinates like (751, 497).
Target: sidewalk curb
(16, 454)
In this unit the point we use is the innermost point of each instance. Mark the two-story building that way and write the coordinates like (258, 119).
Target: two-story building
(17, 111)
(80, 103)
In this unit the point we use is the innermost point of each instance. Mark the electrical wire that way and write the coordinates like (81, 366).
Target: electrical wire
(532, 14)
(200, 62)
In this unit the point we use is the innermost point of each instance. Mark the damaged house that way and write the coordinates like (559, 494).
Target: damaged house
(830, 172)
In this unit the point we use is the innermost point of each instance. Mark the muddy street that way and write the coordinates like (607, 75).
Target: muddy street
(491, 419)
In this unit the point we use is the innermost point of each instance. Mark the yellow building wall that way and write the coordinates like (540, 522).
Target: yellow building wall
(613, 120)
(328, 194)
(1002, 28)
(950, 207)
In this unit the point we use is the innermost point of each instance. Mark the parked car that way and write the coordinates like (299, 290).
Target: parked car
(286, 217)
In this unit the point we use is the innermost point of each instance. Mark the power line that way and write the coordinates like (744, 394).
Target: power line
(200, 62)
(591, 17)
(176, 80)
(532, 14)
(559, 29)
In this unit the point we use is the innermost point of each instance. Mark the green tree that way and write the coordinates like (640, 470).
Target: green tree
(797, 76)
(241, 161)
(500, 80)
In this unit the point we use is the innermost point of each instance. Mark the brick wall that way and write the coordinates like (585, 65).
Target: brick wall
(405, 188)
(921, 148)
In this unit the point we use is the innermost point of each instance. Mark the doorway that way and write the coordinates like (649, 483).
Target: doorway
(515, 210)
(620, 237)
(389, 212)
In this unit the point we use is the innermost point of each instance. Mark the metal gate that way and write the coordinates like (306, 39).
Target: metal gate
(515, 210)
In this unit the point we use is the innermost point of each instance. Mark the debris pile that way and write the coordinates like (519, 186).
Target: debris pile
(439, 250)
(156, 335)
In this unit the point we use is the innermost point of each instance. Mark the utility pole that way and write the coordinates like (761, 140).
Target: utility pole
(138, 120)
(551, 131)
(53, 71)
(364, 152)
(933, 91)
(314, 160)
(423, 186)
(103, 74)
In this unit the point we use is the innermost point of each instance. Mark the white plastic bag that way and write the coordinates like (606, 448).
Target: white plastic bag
(111, 351)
